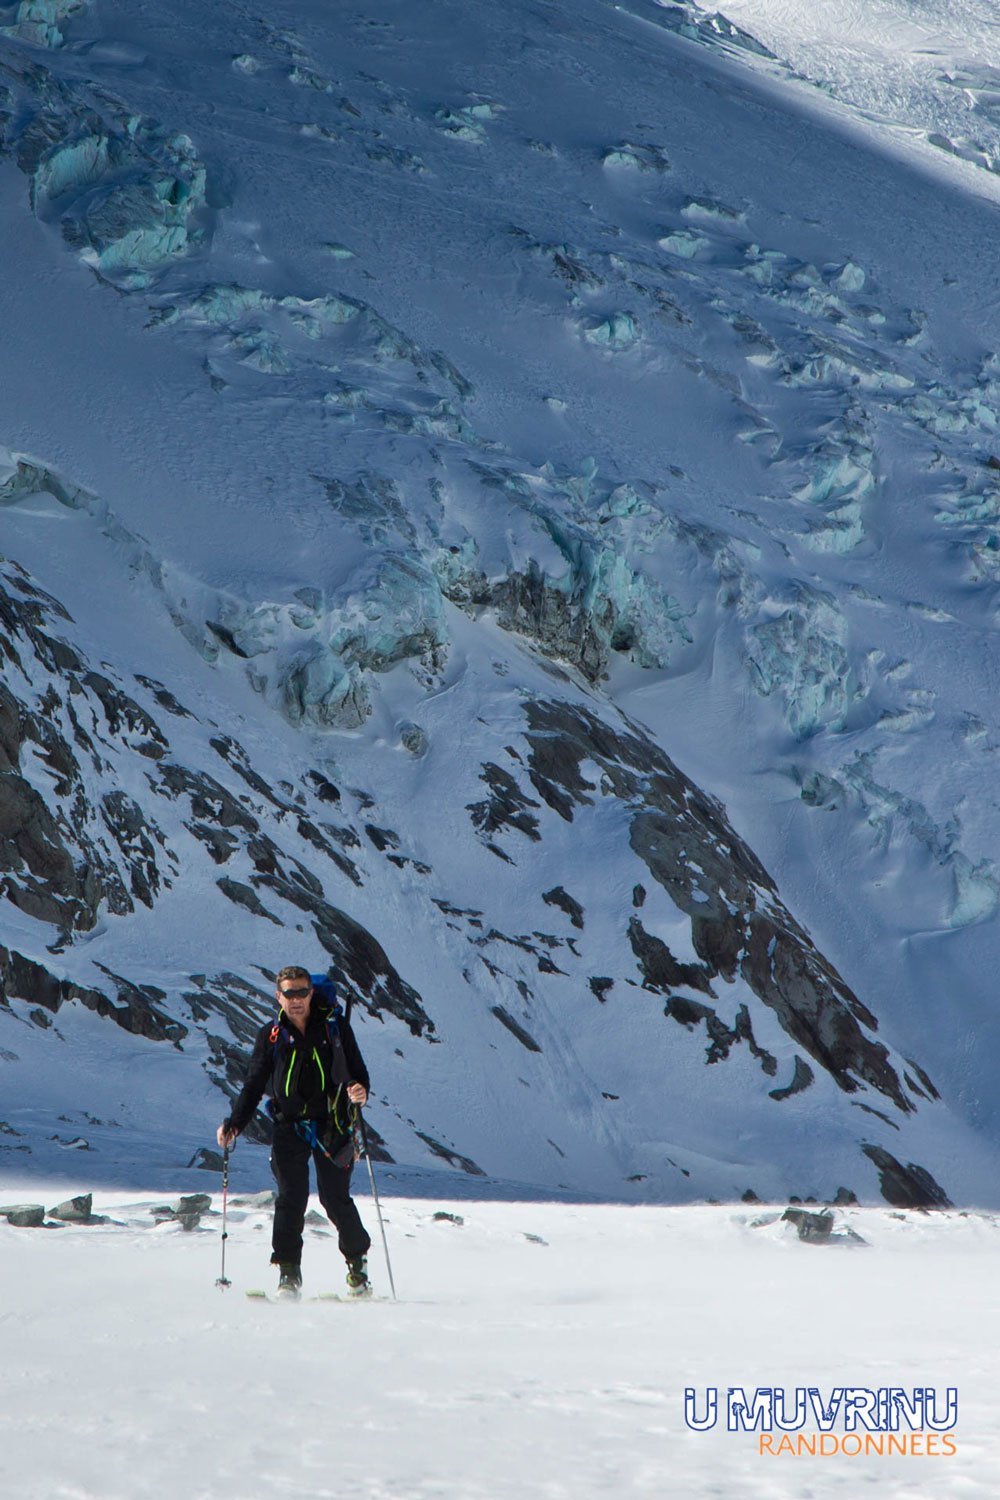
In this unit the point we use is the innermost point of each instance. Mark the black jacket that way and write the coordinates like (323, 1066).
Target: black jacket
(306, 1076)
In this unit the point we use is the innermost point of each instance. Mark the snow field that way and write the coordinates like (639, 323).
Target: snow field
(508, 1367)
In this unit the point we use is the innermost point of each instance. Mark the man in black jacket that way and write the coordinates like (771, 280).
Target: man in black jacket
(309, 1064)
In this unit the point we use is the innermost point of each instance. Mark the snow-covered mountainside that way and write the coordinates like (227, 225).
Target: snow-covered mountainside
(501, 501)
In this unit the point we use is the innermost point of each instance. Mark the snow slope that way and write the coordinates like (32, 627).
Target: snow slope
(929, 72)
(368, 390)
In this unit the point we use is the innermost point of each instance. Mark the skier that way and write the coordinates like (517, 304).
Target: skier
(309, 1064)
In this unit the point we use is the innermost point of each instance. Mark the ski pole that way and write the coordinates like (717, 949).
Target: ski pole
(223, 1279)
(378, 1206)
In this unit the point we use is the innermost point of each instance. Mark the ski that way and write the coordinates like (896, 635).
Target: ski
(257, 1294)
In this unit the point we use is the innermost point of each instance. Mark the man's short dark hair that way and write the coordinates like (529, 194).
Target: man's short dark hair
(293, 971)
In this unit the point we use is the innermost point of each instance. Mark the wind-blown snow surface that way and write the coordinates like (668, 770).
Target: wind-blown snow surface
(421, 428)
(929, 71)
(537, 1350)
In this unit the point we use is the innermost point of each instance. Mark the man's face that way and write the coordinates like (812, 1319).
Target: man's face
(294, 996)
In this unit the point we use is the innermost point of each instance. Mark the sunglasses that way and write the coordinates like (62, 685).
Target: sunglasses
(295, 994)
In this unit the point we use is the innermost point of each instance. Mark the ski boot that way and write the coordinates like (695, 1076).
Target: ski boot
(290, 1282)
(358, 1284)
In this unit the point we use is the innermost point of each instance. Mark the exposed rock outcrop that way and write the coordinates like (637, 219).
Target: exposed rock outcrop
(738, 923)
(906, 1187)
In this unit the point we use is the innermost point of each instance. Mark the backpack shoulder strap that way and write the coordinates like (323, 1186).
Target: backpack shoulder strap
(337, 1057)
(279, 1032)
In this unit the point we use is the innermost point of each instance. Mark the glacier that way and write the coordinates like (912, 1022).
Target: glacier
(383, 533)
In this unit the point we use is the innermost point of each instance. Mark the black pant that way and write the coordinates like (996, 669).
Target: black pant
(290, 1155)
